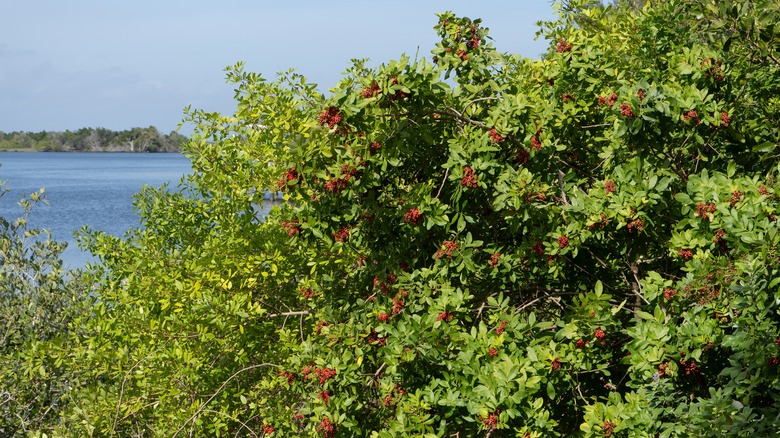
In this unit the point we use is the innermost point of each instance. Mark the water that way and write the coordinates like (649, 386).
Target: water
(94, 189)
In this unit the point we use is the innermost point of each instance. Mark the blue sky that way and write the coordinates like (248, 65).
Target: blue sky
(121, 64)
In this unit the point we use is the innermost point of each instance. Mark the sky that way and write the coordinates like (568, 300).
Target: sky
(120, 64)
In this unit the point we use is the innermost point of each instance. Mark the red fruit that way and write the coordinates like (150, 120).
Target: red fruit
(383, 317)
(608, 427)
(493, 352)
(563, 46)
(446, 249)
(563, 242)
(444, 316)
(686, 254)
(501, 327)
(640, 94)
(491, 421)
(669, 293)
(580, 343)
(600, 334)
(412, 216)
(625, 109)
(556, 364)
(327, 428)
(691, 116)
(494, 260)
(610, 187)
(268, 429)
(736, 197)
(469, 178)
(495, 137)
(341, 235)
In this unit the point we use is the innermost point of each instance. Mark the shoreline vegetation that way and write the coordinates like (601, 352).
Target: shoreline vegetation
(92, 140)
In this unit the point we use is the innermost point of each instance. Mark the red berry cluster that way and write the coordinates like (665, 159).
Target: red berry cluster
(689, 367)
(556, 364)
(763, 190)
(371, 91)
(719, 235)
(268, 429)
(610, 187)
(635, 225)
(491, 421)
(703, 210)
(383, 317)
(625, 109)
(736, 197)
(292, 227)
(567, 97)
(412, 216)
(536, 144)
(291, 175)
(640, 94)
(581, 343)
(398, 93)
(444, 316)
(712, 69)
(493, 352)
(685, 254)
(447, 247)
(320, 325)
(324, 374)
(522, 156)
(772, 362)
(608, 427)
(725, 119)
(287, 375)
(663, 368)
(374, 147)
(538, 248)
(324, 396)
(494, 258)
(327, 428)
(600, 335)
(692, 117)
(341, 235)
(563, 46)
(307, 292)
(387, 285)
(495, 137)
(331, 117)
(563, 242)
(535, 197)
(395, 394)
(398, 301)
(469, 178)
(669, 293)
(609, 101)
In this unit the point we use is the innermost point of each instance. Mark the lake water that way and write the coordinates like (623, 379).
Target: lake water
(94, 189)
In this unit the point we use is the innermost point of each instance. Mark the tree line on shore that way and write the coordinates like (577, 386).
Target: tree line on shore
(93, 140)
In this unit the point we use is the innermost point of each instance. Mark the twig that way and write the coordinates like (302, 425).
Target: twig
(600, 125)
(122, 391)
(219, 390)
(444, 180)
(286, 314)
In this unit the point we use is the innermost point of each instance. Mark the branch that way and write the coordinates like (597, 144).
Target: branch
(600, 125)
(219, 390)
(122, 391)
(286, 314)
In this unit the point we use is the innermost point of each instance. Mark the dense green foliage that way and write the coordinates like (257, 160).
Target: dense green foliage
(475, 245)
(38, 302)
(93, 140)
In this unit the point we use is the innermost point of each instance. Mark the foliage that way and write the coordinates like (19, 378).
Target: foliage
(481, 245)
(38, 301)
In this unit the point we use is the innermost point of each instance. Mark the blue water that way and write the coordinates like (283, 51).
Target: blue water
(94, 189)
